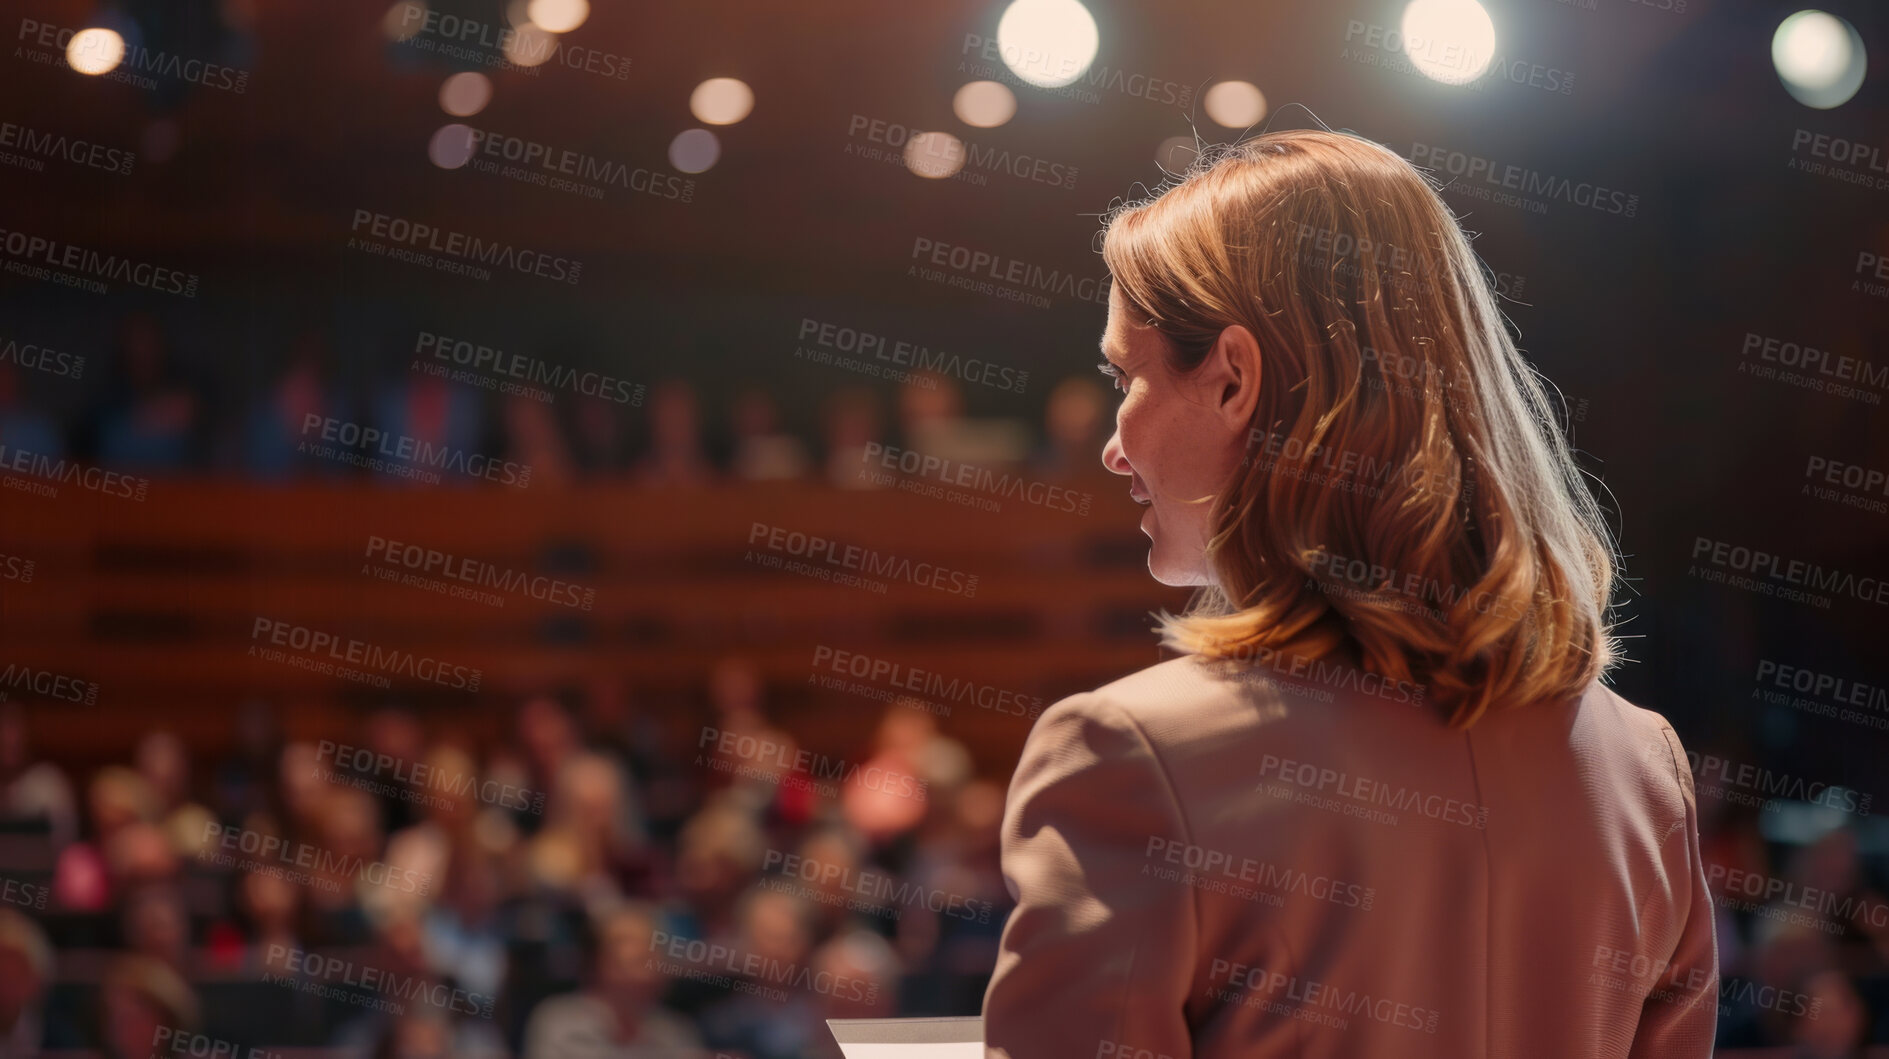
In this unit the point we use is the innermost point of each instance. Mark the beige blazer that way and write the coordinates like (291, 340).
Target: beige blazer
(1211, 863)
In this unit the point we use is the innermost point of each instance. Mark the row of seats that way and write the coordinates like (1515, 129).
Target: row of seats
(171, 605)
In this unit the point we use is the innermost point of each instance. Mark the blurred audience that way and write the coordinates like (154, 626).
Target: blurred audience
(153, 415)
(1078, 421)
(513, 899)
(33, 792)
(423, 895)
(24, 426)
(273, 427)
(849, 423)
(676, 455)
(138, 996)
(26, 965)
(618, 1014)
(763, 452)
(149, 410)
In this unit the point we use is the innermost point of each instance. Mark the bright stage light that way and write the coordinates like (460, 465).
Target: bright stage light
(465, 94)
(1819, 57)
(721, 101)
(558, 16)
(1451, 41)
(1048, 43)
(530, 44)
(95, 51)
(934, 155)
(1235, 104)
(404, 20)
(984, 104)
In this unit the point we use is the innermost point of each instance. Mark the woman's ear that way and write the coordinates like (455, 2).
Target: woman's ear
(1233, 377)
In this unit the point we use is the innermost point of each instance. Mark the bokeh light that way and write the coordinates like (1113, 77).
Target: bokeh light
(721, 101)
(1176, 153)
(558, 16)
(1451, 41)
(530, 44)
(404, 20)
(95, 51)
(451, 146)
(465, 94)
(694, 151)
(1048, 43)
(1819, 57)
(934, 155)
(984, 104)
(1235, 104)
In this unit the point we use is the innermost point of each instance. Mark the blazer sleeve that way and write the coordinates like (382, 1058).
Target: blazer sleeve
(1680, 1018)
(1098, 956)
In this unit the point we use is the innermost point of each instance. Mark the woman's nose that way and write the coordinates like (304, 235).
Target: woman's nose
(1112, 456)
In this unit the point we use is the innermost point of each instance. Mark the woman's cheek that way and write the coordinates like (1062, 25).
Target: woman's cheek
(1145, 440)
(1133, 421)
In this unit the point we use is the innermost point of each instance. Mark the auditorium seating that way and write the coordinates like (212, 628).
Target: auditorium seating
(157, 601)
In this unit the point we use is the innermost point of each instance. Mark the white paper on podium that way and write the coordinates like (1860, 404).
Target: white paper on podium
(960, 1037)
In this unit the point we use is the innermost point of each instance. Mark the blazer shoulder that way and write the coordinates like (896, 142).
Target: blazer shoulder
(1172, 709)
(1640, 718)
(1631, 715)
(1648, 730)
(1177, 683)
(1136, 707)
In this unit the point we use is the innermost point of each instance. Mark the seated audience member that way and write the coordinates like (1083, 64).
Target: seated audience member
(675, 456)
(849, 422)
(23, 426)
(763, 451)
(164, 763)
(33, 790)
(151, 417)
(26, 963)
(618, 1016)
(1076, 418)
(85, 877)
(139, 995)
(593, 844)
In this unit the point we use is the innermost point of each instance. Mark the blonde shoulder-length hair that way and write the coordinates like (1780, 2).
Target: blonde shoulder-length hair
(1408, 501)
